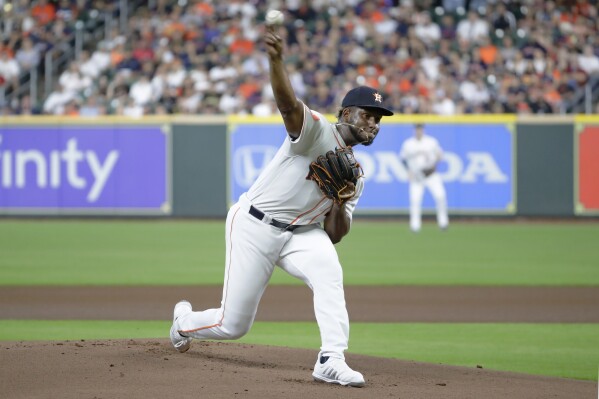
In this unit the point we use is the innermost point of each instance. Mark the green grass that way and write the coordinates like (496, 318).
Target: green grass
(559, 350)
(111, 252)
(474, 254)
(166, 252)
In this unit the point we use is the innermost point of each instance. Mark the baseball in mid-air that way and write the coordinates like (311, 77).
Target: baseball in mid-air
(274, 17)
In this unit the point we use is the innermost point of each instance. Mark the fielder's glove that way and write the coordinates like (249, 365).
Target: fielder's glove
(428, 171)
(334, 171)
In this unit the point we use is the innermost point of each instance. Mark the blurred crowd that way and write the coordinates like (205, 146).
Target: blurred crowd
(207, 57)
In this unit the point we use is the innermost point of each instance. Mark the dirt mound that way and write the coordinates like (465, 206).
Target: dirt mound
(152, 369)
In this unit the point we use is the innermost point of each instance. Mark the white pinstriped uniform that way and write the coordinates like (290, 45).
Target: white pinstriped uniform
(254, 247)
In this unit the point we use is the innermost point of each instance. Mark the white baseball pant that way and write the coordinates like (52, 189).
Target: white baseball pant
(435, 186)
(253, 248)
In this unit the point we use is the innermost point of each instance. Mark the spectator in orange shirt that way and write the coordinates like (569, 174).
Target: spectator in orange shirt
(405, 85)
(71, 108)
(174, 29)
(552, 95)
(43, 12)
(204, 8)
(241, 45)
(248, 89)
(370, 11)
(6, 49)
(488, 52)
(117, 55)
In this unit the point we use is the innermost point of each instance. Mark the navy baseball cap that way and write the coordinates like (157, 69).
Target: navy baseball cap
(365, 97)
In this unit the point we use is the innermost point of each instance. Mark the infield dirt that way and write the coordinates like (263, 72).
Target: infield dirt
(152, 369)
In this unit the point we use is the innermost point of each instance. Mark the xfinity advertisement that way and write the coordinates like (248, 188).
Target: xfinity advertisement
(477, 167)
(84, 169)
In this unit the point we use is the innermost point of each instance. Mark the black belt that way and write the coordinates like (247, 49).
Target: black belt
(258, 214)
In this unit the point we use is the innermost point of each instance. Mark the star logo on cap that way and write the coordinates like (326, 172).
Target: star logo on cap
(378, 97)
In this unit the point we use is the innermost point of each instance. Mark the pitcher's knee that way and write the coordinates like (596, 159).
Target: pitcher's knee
(235, 331)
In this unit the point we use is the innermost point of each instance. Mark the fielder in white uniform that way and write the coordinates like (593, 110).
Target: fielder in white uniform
(285, 220)
(420, 155)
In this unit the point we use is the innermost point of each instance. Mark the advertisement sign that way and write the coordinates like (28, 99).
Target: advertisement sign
(587, 192)
(477, 167)
(84, 169)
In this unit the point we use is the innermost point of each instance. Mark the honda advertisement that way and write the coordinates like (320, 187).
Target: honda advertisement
(477, 166)
(84, 169)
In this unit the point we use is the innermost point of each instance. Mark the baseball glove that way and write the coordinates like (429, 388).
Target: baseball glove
(334, 171)
(428, 171)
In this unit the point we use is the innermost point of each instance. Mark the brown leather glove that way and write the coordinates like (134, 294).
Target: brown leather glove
(333, 171)
(429, 171)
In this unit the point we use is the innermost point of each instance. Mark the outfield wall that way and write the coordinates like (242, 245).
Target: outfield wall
(197, 166)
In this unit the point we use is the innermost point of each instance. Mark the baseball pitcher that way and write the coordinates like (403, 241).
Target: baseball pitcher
(291, 217)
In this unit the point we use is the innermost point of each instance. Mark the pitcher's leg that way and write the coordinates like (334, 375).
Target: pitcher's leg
(416, 194)
(311, 257)
(247, 273)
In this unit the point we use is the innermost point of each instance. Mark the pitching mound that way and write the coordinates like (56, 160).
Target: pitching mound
(152, 369)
